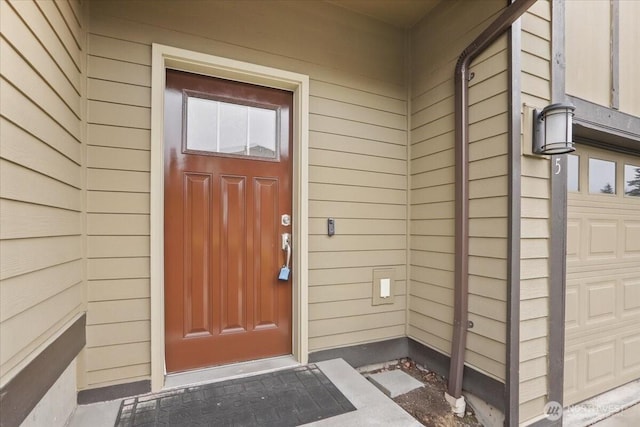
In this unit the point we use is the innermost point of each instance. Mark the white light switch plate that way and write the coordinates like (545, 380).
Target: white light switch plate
(385, 288)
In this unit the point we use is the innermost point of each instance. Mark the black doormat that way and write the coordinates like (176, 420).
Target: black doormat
(285, 398)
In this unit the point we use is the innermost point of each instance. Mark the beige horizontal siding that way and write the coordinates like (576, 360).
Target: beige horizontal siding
(359, 226)
(22, 256)
(339, 318)
(24, 329)
(354, 53)
(338, 276)
(119, 375)
(535, 205)
(117, 202)
(357, 162)
(49, 29)
(322, 68)
(118, 165)
(21, 148)
(35, 51)
(25, 114)
(41, 223)
(20, 293)
(134, 332)
(358, 337)
(123, 289)
(356, 178)
(531, 409)
(22, 220)
(20, 183)
(432, 186)
(23, 76)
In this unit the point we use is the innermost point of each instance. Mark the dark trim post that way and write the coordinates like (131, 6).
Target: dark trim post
(615, 54)
(512, 385)
(558, 63)
(558, 238)
(557, 280)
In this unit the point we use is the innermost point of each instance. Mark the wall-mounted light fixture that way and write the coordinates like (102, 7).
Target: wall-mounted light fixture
(552, 132)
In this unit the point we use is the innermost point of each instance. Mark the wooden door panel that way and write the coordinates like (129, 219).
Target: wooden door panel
(267, 242)
(223, 300)
(197, 250)
(233, 254)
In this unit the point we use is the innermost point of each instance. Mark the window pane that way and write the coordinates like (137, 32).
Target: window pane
(573, 172)
(202, 124)
(223, 127)
(233, 128)
(632, 180)
(602, 176)
(262, 132)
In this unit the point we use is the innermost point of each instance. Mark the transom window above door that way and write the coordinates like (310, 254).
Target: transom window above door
(224, 127)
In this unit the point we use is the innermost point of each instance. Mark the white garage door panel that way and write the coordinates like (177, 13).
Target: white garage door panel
(599, 308)
(602, 319)
(632, 237)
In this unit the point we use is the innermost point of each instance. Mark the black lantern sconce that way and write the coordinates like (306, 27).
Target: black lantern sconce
(552, 129)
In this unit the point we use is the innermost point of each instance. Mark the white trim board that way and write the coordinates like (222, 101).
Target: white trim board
(164, 57)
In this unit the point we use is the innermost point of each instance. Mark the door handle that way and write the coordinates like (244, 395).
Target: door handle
(286, 246)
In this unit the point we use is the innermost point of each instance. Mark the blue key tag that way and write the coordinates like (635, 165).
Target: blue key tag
(284, 273)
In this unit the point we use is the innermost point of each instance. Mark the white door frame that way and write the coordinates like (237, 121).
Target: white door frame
(164, 57)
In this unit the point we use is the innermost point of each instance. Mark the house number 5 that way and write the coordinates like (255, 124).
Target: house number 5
(557, 166)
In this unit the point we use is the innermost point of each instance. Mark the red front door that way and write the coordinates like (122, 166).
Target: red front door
(227, 185)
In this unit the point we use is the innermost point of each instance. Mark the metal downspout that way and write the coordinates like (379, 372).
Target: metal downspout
(461, 291)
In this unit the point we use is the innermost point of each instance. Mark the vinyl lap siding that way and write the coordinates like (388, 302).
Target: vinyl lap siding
(433, 180)
(488, 204)
(357, 163)
(357, 175)
(118, 169)
(41, 226)
(535, 199)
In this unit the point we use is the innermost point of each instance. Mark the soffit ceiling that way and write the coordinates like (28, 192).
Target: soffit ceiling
(399, 13)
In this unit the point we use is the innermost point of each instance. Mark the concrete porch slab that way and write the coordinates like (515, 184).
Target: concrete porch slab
(373, 408)
(394, 383)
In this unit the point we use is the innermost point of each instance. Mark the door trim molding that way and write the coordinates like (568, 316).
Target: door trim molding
(164, 57)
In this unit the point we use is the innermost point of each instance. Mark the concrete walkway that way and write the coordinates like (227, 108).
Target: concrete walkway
(623, 402)
(373, 408)
(630, 417)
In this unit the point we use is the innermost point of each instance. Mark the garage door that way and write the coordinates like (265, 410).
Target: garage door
(602, 348)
